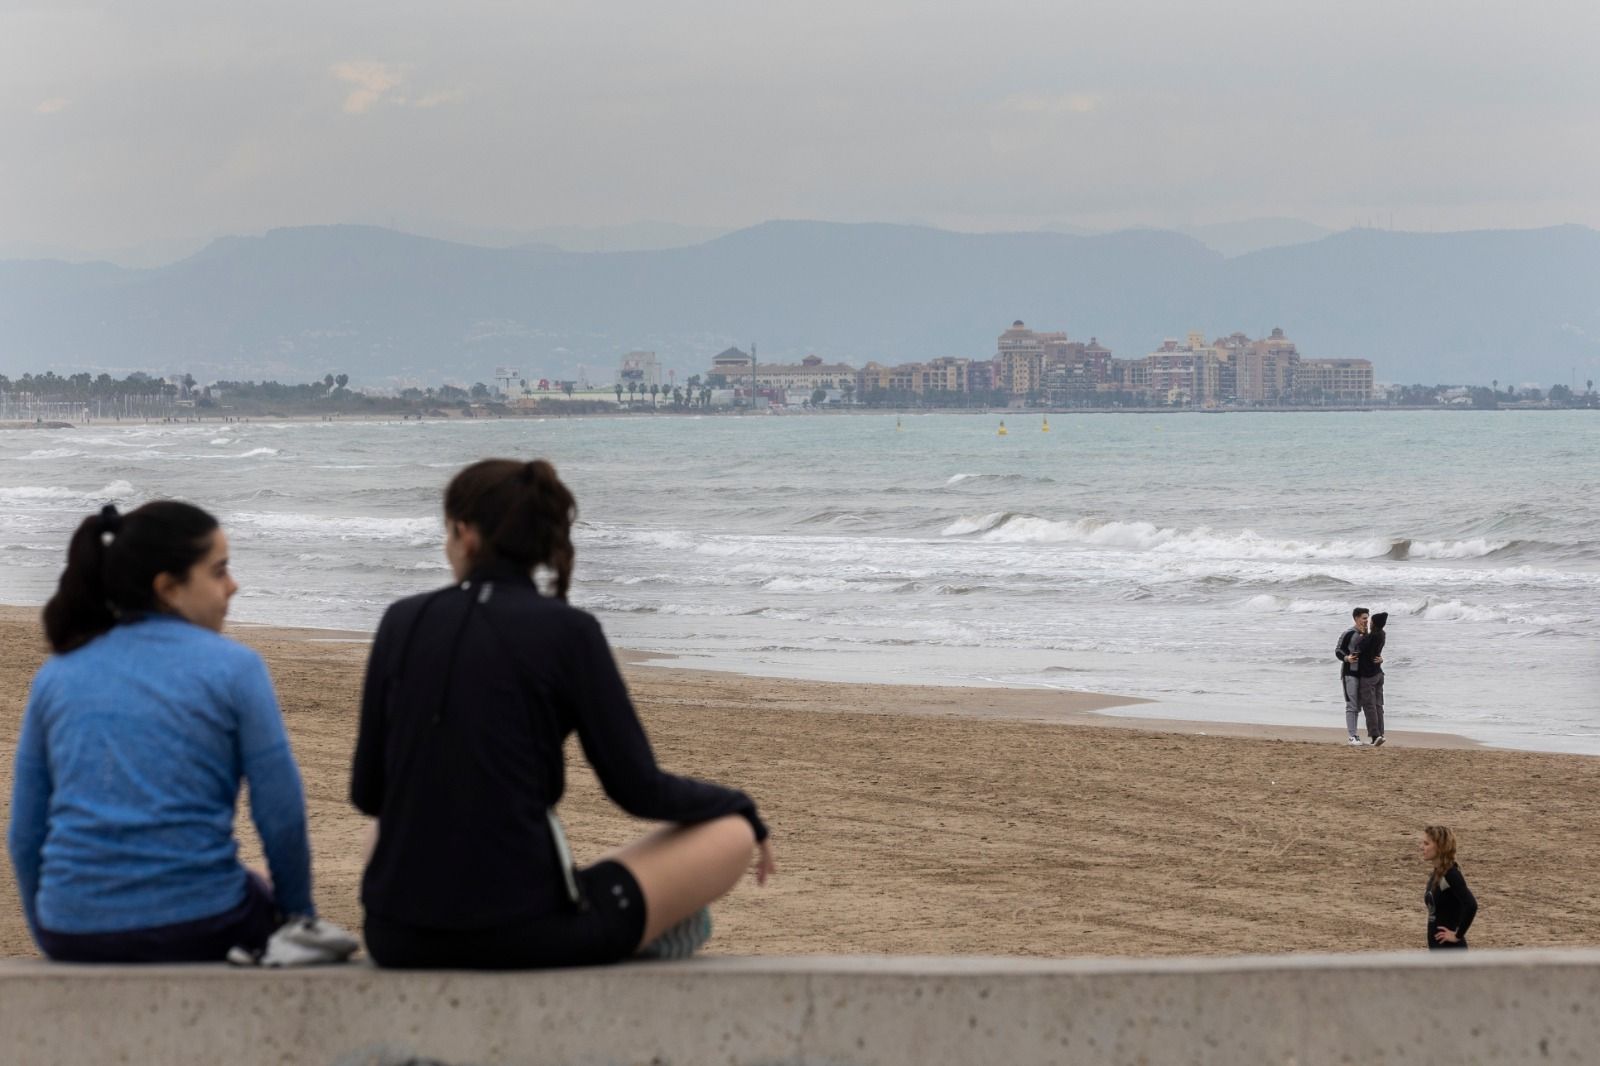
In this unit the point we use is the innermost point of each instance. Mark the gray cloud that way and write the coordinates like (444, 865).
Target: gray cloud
(128, 124)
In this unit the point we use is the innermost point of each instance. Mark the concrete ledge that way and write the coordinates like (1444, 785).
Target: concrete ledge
(1476, 1007)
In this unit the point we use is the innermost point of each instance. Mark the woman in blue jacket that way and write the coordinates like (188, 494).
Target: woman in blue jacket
(137, 735)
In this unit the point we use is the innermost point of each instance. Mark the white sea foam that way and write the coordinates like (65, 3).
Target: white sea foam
(1475, 548)
(1423, 610)
(1456, 611)
(414, 532)
(253, 453)
(600, 601)
(115, 491)
(958, 479)
(46, 454)
(829, 584)
(1004, 527)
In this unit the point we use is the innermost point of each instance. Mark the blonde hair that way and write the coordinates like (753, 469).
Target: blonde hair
(1444, 851)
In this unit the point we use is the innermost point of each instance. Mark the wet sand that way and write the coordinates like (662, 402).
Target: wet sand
(991, 821)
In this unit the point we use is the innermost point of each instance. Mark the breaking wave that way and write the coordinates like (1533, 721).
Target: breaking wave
(1012, 527)
(1423, 610)
(995, 479)
(25, 494)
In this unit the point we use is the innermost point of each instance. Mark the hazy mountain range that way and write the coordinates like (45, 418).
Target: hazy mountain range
(1229, 238)
(384, 306)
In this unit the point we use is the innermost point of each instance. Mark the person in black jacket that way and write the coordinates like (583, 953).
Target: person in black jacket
(1368, 649)
(470, 693)
(1451, 905)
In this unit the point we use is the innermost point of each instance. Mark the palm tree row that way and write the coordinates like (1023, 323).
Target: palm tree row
(697, 395)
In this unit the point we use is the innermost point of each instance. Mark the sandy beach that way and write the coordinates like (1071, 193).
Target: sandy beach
(1006, 822)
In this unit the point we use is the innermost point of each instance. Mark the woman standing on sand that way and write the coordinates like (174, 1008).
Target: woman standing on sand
(1451, 905)
(470, 693)
(137, 735)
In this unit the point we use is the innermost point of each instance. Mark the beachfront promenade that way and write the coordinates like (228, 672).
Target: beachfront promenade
(1416, 1007)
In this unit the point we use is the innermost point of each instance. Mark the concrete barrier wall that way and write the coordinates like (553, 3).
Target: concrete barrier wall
(1477, 1007)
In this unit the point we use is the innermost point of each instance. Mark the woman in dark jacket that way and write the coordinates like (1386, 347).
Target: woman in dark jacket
(471, 692)
(1450, 903)
(1368, 650)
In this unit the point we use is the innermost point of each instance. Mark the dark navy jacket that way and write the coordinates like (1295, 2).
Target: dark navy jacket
(1451, 906)
(1369, 646)
(470, 693)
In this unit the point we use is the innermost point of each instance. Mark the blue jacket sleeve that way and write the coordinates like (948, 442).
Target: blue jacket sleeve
(30, 806)
(277, 800)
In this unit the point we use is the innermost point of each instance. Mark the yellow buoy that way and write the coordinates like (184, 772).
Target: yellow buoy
(1002, 429)
(1046, 427)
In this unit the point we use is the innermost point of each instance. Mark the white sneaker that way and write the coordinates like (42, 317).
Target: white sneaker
(1355, 742)
(300, 941)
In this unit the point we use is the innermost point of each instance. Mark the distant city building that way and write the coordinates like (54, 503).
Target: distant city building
(639, 368)
(508, 381)
(810, 374)
(1334, 381)
(1019, 359)
(981, 376)
(1038, 367)
(730, 367)
(948, 374)
(1267, 370)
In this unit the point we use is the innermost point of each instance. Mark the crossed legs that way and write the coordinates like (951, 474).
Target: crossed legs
(683, 868)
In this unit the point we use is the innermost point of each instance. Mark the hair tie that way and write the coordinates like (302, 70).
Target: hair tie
(110, 520)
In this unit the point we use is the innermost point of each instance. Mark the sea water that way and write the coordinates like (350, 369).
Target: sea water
(1207, 562)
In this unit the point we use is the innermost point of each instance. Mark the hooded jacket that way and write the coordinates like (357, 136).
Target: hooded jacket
(1369, 646)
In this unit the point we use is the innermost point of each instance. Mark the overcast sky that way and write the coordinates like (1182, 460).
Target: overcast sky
(134, 124)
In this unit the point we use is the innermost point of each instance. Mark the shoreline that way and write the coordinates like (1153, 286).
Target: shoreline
(915, 821)
(1059, 707)
(858, 410)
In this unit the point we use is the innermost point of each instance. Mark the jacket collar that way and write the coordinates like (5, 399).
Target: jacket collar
(500, 571)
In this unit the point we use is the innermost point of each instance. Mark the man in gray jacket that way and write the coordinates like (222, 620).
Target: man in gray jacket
(1348, 678)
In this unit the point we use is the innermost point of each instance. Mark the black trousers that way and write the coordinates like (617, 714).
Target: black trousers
(606, 927)
(1370, 698)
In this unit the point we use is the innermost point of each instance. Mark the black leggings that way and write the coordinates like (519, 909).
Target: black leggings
(607, 927)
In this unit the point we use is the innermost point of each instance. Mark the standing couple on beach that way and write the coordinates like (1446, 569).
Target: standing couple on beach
(1360, 655)
(145, 722)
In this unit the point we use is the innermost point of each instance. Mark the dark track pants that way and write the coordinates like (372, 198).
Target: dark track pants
(1370, 699)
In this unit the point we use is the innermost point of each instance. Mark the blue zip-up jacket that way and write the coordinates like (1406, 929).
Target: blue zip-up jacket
(126, 778)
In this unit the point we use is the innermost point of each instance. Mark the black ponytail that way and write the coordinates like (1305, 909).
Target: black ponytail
(112, 563)
(523, 512)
